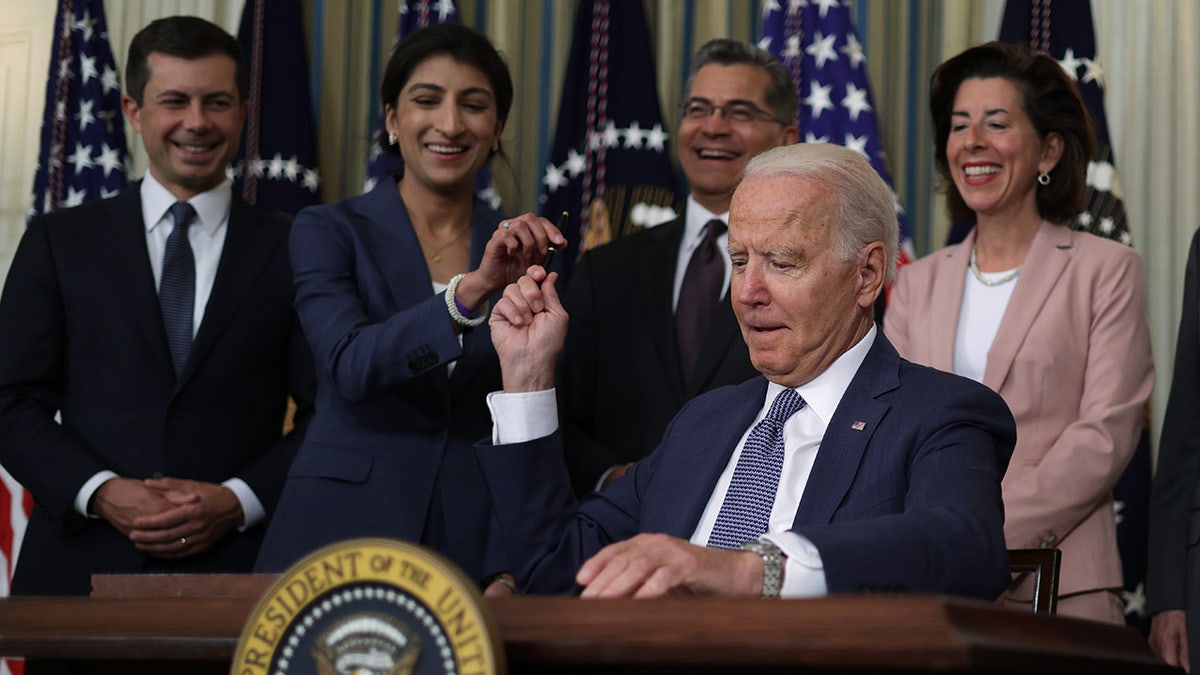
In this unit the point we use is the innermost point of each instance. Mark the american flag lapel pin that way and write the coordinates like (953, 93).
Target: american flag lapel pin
(859, 425)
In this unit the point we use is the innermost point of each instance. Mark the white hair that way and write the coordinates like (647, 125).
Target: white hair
(866, 207)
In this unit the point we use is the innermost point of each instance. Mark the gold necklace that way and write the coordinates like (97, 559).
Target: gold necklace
(436, 256)
(991, 282)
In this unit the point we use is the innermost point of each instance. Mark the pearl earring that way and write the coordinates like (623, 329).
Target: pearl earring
(391, 138)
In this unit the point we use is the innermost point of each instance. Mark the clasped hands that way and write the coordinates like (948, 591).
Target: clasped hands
(168, 517)
(529, 326)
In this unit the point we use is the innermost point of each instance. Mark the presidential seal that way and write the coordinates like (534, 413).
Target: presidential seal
(371, 607)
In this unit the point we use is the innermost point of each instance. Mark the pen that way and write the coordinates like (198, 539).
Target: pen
(552, 249)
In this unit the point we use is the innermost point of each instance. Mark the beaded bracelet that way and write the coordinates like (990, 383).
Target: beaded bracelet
(457, 311)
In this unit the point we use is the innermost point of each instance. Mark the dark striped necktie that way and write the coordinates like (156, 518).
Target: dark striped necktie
(177, 287)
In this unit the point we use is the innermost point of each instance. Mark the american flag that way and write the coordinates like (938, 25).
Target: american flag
(276, 166)
(83, 157)
(416, 14)
(609, 167)
(83, 153)
(817, 43)
(1063, 29)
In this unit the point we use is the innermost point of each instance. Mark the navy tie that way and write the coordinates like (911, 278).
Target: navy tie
(698, 296)
(177, 288)
(747, 507)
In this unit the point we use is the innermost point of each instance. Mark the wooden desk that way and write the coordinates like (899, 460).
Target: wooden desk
(904, 634)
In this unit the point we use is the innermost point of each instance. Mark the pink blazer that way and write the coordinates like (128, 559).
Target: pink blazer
(1072, 360)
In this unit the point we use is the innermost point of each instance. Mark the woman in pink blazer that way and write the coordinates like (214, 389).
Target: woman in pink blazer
(1052, 319)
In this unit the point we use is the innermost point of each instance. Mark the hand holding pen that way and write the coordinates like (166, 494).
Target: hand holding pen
(552, 249)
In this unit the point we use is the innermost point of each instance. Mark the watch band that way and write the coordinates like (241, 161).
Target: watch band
(772, 559)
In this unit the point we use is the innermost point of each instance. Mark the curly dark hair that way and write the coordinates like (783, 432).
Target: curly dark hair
(1049, 98)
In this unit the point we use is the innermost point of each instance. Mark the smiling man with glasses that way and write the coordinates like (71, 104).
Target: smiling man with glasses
(651, 322)
(737, 112)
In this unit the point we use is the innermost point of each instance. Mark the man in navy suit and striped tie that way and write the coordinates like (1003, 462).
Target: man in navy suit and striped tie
(158, 327)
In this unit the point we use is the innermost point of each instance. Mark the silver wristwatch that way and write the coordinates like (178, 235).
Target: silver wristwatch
(772, 566)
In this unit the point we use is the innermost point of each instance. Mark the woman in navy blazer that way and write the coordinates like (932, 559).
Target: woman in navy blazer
(392, 289)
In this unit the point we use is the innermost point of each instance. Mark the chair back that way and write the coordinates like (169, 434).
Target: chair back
(1043, 563)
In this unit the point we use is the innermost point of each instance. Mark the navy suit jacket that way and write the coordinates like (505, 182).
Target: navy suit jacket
(390, 451)
(81, 332)
(909, 502)
(620, 380)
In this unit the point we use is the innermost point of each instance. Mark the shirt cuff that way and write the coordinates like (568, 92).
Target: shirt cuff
(524, 416)
(253, 512)
(84, 496)
(803, 573)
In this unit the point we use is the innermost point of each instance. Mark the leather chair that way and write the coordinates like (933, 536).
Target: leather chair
(1043, 563)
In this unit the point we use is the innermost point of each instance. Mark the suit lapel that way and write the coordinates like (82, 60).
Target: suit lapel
(247, 246)
(656, 273)
(397, 254)
(714, 439)
(722, 333)
(1047, 259)
(948, 292)
(394, 245)
(850, 430)
(119, 240)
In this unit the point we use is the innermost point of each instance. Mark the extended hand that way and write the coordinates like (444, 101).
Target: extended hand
(509, 252)
(529, 326)
(1168, 638)
(654, 565)
(201, 514)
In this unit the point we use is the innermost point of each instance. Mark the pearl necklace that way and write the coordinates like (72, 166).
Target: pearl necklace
(991, 282)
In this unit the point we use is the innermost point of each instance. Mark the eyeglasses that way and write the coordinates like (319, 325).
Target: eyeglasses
(737, 112)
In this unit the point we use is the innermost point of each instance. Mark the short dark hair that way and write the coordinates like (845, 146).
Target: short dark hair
(780, 95)
(1048, 97)
(185, 37)
(460, 43)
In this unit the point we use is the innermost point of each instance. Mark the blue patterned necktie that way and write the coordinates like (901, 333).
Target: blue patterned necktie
(747, 507)
(177, 287)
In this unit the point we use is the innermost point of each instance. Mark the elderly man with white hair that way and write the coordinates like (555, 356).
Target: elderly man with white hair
(842, 469)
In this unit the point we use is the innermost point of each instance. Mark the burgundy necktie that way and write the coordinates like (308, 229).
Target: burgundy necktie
(698, 295)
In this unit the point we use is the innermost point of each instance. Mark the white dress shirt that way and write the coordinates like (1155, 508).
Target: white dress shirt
(518, 418)
(207, 238)
(979, 319)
